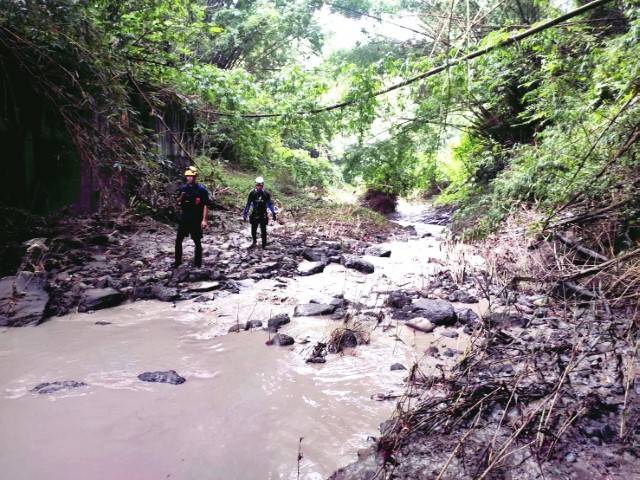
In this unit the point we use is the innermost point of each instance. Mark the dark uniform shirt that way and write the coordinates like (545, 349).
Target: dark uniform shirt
(192, 199)
(259, 201)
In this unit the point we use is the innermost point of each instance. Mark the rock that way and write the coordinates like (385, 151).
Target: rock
(267, 267)
(104, 282)
(277, 321)
(53, 387)
(450, 352)
(23, 299)
(316, 360)
(338, 302)
(398, 299)
(281, 340)
(462, 297)
(508, 319)
(99, 298)
(440, 312)
(169, 376)
(165, 294)
(100, 322)
(253, 324)
(398, 366)
(421, 324)
(432, 350)
(449, 333)
(313, 309)
(467, 316)
(339, 314)
(237, 327)
(347, 339)
(357, 263)
(313, 254)
(310, 268)
(203, 286)
(378, 251)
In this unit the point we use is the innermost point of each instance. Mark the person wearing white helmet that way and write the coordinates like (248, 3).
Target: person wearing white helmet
(193, 199)
(259, 202)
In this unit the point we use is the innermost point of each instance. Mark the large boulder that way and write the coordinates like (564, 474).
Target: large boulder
(312, 309)
(99, 298)
(440, 312)
(306, 268)
(169, 376)
(23, 299)
(357, 263)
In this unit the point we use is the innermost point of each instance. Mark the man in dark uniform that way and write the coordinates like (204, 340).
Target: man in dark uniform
(259, 201)
(193, 199)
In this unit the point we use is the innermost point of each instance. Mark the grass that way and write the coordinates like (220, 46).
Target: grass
(338, 204)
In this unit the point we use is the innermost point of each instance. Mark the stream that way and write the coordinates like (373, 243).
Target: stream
(244, 405)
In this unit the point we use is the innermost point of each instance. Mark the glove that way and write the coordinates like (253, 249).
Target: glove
(274, 217)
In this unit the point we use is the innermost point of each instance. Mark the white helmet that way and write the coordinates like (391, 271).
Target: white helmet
(260, 180)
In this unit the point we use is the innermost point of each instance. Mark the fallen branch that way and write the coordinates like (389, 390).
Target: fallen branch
(581, 248)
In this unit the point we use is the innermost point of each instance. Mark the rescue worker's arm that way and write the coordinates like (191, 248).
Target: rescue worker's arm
(203, 225)
(245, 212)
(270, 207)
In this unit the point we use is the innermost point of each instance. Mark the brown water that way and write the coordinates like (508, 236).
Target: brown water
(244, 405)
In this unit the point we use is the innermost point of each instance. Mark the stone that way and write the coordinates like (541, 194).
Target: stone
(267, 267)
(398, 299)
(467, 316)
(99, 298)
(378, 251)
(310, 268)
(237, 327)
(440, 312)
(462, 297)
(253, 324)
(313, 309)
(165, 294)
(432, 350)
(339, 314)
(281, 340)
(508, 319)
(54, 387)
(398, 366)
(357, 263)
(347, 339)
(449, 333)
(421, 324)
(23, 299)
(205, 286)
(314, 254)
(316, 360)
(274, 323)
(169, 376)
(100, 322)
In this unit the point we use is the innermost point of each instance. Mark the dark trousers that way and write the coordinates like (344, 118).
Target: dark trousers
(263, 230)
(195, 232)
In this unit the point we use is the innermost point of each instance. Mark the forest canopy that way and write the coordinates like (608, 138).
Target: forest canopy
(544, 121)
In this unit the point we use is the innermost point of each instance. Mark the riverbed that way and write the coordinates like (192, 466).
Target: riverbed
(245, 406)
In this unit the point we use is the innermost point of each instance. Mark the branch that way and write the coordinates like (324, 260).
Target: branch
(450, 63)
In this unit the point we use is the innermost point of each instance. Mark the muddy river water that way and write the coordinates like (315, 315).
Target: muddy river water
(244, 406)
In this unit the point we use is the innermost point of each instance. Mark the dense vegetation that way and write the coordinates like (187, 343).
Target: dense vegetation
(550, 120)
